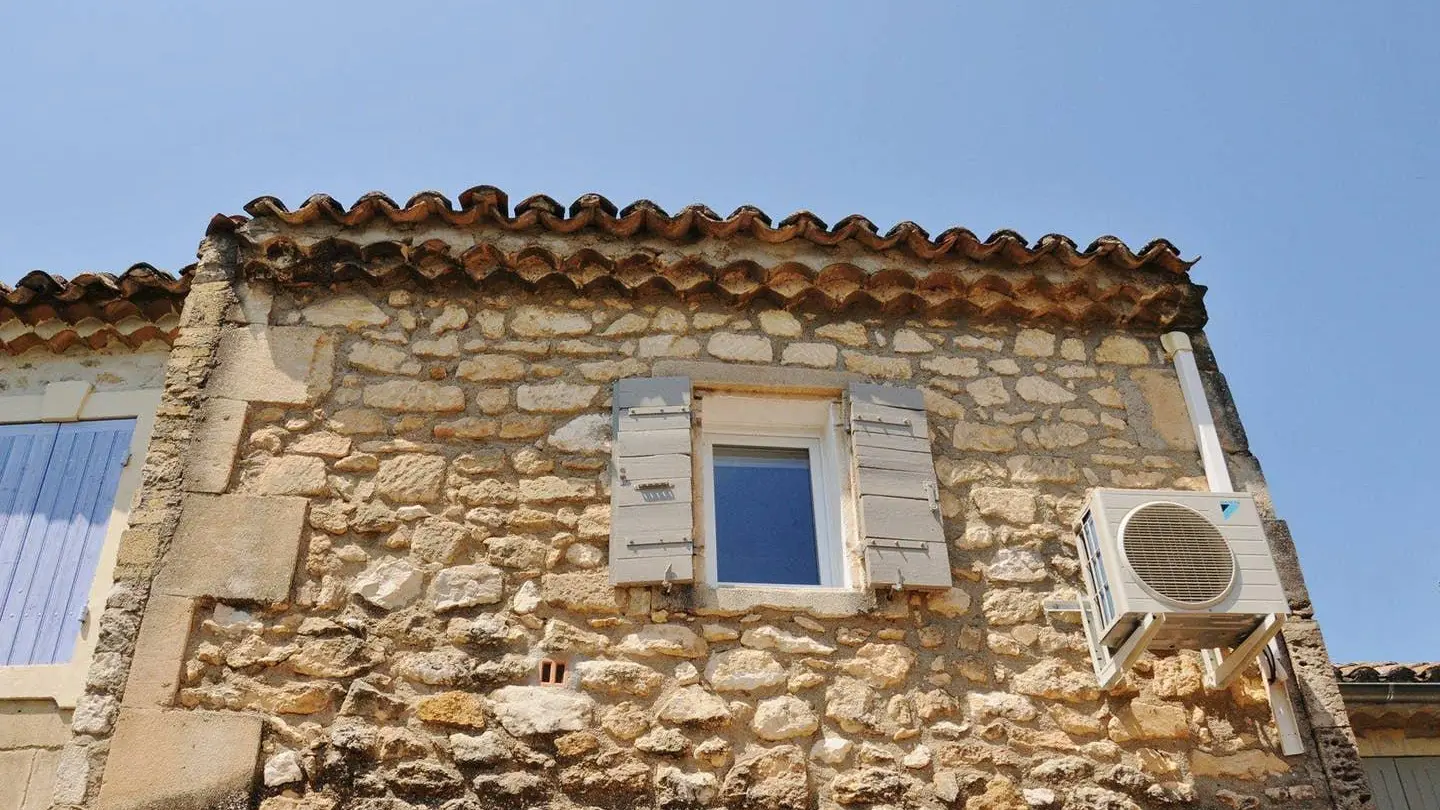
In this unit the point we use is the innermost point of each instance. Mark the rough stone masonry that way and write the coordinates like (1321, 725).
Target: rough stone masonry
(396, 503)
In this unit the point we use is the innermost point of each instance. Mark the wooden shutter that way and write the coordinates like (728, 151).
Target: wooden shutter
(50, 546)
(1404, 783)
(652, 538)
(899, 505)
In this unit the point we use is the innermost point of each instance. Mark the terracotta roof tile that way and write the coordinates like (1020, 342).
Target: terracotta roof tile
(139, 305)
(490, 206)
(1388, 672)
(978, 291)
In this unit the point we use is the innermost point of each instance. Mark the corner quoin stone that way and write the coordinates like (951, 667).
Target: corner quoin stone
(180, 760)
(288, 365)
(235, 547)
(211, 457)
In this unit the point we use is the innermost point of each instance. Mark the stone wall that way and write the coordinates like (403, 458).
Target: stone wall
(453, 474)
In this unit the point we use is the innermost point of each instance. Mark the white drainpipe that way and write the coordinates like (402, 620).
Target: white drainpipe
(1217, 475)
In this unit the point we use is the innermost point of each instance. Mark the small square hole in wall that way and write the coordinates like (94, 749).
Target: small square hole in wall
(552, 672)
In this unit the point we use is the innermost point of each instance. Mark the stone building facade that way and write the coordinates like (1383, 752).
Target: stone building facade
(377, 518)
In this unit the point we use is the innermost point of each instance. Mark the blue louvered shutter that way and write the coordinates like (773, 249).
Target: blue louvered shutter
(57, 488)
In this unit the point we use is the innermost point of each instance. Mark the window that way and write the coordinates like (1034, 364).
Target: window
(57, 489)
(772, 491)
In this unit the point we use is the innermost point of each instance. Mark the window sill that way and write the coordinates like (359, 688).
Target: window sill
(62, 683)
(822, 603)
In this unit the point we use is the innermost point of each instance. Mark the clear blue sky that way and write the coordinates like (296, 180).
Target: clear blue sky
(1291, 144)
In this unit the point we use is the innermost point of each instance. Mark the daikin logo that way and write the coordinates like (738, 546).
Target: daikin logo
(1228, 509)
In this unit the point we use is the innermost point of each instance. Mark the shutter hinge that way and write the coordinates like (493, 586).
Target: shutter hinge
(84, 615)
(684, 541)
(126, 462)
(652, 410)
(932, 494)
(878, 419)
(898, 545)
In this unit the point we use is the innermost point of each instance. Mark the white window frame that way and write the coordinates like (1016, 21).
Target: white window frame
(74, 401)
(751, 421)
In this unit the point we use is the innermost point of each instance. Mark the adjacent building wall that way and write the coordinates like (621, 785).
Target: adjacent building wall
(33, 731)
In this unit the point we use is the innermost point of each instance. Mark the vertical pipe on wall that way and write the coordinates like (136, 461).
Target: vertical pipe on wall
(1217, 475)
(1182, 354)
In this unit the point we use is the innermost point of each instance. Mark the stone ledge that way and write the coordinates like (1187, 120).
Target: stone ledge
(180, 760)
(757, 378)
(824, 603)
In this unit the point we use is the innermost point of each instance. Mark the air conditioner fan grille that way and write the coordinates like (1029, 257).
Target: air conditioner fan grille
(1178, 554)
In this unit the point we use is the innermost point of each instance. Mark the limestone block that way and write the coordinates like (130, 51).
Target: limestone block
(771, 638)
(768, 779)
(527, 710)
(986, 705)
(1041, 390)
(368, 356)
(744, 670)
(846, 332)
(951, 366)
(667, 346)
(779, 323)
(784, 717)
(389, 584)
(1034, 343)
(545, 322)
(581, 591)
(555, 397)
(1122, 349)
(908, 341)
(415, 396)
(694, 706)
(14, 776)
(983, 438)
(619, 677)
(411, 478)
(1244, 765)
(240, 547)
(465, 586)
(988, 392)
(491, 368)
(1015, 506)
(283, 769)
(180, 760)
(293, 475)
(871, 365)
(159, 650)
(1169, 416)
(741, 348)
(348, 311)
(289, 365)
(663, 639)
(816, 355)
(880, 665)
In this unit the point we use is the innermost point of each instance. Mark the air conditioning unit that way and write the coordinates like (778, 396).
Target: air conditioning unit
(1176, 570)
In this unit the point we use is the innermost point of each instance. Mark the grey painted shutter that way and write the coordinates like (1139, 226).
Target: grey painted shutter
(652, 538)
(899, 505)
(1404, 783)
(50, 547)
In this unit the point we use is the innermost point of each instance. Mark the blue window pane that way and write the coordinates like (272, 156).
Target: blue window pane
(765, 516)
